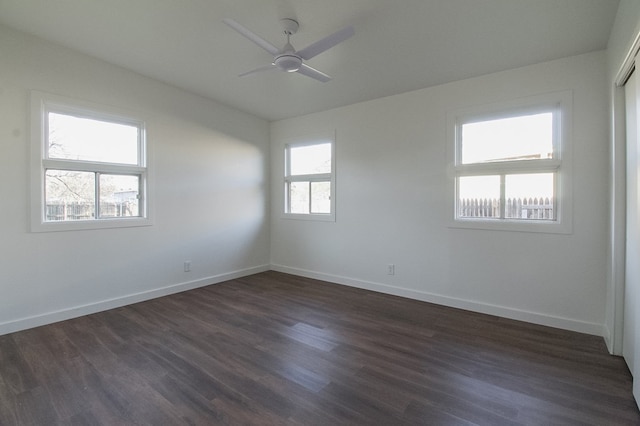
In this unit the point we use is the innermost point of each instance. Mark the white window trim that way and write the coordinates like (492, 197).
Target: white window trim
(562, 103)
(41, 104)
(313, 139)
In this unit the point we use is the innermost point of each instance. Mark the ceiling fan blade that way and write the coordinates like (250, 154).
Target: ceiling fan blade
(252, 36)
(269, 67)
(326, 43)
(313, 73)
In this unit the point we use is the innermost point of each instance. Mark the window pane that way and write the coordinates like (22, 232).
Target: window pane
(479, 196)
(299, 197)
(69, 195)
(530, 196)
(321, 197)
(526, 137)
(310, 159)
(75, 138)
(119, 196)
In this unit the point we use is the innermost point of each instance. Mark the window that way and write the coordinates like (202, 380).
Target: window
(309, 179)
(88, 166)
(512, 166)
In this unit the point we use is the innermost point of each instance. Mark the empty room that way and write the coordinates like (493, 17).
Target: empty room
(289, 212)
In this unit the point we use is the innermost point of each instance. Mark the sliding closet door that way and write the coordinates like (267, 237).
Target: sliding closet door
(631, 339)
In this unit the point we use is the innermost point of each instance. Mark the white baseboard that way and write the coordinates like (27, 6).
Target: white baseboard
(500, 311)
(470, 305)
(103, 305)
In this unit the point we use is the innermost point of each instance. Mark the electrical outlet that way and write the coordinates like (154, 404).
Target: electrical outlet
(187, 265)
(391, 269)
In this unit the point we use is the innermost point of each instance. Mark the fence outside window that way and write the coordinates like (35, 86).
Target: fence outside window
(516, 208)
(59, 211)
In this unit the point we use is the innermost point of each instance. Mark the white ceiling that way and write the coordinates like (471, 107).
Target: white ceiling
(400, 45)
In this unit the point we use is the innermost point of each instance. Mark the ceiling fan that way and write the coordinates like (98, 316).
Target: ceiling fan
(288, 58)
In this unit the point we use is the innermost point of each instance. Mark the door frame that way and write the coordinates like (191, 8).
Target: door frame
(617, 203)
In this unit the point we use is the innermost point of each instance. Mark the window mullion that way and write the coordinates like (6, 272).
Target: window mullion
(97, 196)
(528, 166)
(320, 177)
(503, 198)
(87, 166)
(556, 192)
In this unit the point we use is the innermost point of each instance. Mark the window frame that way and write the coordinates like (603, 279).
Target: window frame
(41, 105)
(317, 139)
(560, 105)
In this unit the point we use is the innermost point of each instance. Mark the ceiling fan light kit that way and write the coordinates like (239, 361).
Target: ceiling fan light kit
(287, 62)
(288, 59)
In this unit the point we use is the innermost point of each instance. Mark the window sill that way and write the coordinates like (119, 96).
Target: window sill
(83, 225)
(312, 217)
(543, 227)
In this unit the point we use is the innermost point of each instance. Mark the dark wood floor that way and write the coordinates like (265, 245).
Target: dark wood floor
(278, 349)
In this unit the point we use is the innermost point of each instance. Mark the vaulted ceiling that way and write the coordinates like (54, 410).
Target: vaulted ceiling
(398, 45)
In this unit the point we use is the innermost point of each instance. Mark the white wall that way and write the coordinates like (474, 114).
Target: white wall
(625, 29)
(391, 194)
(212, 162)
(210, 193)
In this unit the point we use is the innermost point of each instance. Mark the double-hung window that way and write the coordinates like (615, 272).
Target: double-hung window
(309, 183)
(512, 165)
(89, 166)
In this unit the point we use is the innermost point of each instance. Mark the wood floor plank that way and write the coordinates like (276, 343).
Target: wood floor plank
(34, 407)
(191, 405)
(278, 349)
(66, 397)
(14, 370)
(83, 419)
(8, 405)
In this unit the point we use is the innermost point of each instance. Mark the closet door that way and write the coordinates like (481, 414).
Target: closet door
(631, 339)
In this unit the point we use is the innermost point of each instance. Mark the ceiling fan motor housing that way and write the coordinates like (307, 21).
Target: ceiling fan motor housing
(288, 62)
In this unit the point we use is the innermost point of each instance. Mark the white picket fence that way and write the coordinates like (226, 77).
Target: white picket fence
(535, 208)
(58, 211)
